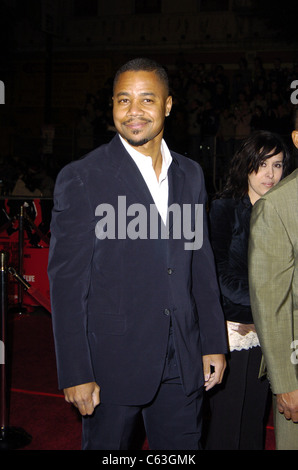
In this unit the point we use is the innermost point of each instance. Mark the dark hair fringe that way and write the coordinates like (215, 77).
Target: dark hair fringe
(259, 146)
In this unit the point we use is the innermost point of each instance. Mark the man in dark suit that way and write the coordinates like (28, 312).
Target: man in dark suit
(138, 327)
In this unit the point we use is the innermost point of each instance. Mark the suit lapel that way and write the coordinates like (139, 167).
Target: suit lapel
(127, 171)
(176, 183)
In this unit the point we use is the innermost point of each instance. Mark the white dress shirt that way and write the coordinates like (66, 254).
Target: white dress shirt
(159, 188)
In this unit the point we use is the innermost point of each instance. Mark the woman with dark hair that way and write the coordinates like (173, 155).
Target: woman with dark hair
(238, 406)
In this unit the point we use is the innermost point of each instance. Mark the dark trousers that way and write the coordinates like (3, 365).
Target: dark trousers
(238, 406)
(172, 421)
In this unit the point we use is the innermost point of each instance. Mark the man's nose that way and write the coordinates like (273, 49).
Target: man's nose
(134, 109)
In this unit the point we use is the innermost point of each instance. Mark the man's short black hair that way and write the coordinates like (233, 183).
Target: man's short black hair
(147, 65)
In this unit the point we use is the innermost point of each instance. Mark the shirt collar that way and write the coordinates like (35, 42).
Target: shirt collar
(144, 161)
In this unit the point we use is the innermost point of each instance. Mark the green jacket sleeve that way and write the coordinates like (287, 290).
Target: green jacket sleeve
(271, 274)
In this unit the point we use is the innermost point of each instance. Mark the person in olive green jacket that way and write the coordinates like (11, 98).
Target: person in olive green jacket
(273, 280)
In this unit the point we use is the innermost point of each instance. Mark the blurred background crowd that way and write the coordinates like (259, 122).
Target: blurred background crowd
(213, 113)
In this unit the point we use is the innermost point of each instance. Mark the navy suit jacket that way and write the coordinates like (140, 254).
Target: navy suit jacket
(113, 300)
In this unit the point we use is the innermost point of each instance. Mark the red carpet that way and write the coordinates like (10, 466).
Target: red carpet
(35, 403)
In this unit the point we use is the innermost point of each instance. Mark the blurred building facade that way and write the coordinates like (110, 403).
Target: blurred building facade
(60, 56)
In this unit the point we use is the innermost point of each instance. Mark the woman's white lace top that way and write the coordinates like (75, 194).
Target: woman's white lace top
(238, 341)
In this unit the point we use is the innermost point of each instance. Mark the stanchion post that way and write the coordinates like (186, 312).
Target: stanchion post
(10, 437)
(4, 296)
(21, 254)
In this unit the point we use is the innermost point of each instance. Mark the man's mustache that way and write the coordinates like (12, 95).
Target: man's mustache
(131, 120)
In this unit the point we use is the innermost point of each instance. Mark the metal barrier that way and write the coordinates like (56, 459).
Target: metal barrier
(10, 437)
(24, 233)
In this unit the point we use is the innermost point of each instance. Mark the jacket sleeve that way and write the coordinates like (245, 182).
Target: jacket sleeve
(206, 293)
(231, 260)
(271, 267)
(70, 254)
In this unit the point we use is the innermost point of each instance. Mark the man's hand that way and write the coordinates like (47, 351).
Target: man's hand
(214, 366)
(85, 397)
(287, 403)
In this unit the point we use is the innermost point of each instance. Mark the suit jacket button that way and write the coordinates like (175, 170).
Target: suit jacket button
(170, 271)
(167, 311)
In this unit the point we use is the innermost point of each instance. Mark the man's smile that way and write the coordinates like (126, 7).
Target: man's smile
(136, 124)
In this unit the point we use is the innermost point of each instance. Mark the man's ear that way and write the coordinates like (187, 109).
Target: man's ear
(295, 138)
(169, 103)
